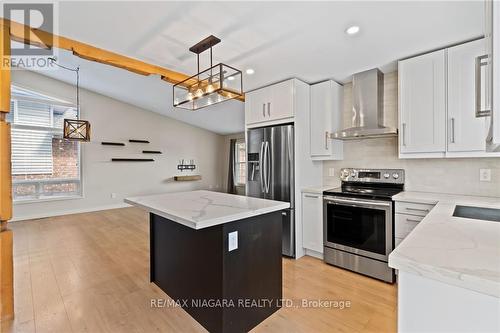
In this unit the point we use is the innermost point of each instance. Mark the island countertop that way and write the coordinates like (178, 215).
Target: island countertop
(202, 209)
(459, 251)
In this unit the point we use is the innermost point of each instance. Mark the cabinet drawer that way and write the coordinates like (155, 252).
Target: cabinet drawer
(413, 208)
(404, 224)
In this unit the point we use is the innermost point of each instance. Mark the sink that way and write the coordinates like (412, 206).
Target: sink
(478, 213)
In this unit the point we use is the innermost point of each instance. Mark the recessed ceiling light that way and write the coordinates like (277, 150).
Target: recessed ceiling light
(352, 30)
(231, 78)
(250, 71)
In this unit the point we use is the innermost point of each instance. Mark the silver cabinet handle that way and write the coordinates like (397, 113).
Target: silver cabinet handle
(404, 134)
(481, 61)
(269, 109)
(417, 209)
(311, 196)
(327, 137)
(411, 220)
(453, 130)
(263, 109)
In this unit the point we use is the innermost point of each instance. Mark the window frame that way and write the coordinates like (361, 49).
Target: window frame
(52, 101)
(237, 163)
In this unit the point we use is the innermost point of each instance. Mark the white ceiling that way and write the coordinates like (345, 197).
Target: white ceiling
(278, 39)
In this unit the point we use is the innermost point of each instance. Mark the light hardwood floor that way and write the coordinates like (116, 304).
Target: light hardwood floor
(89, 273)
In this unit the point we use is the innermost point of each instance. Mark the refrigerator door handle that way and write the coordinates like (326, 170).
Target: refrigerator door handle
(267, 163)
(261, 166)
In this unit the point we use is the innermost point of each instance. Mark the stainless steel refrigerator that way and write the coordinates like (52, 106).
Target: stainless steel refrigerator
(271, 173)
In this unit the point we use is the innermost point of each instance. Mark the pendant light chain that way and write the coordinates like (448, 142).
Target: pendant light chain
(77, 71)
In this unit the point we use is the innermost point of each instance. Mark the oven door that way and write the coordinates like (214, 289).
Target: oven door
(358, 226)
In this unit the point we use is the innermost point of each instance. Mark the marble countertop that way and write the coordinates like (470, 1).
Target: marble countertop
(202, 209)
(458, 251)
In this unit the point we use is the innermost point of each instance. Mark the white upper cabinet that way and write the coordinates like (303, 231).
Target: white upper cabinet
(270, 103)
(326, 117)
(437, 103)
(422, 104)
(281, 104)
(466, 133)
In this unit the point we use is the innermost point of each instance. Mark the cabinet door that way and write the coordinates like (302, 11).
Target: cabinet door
(256, 106)
(321, 118)
(312, 221)
(465, 131)
(422, 98)
(280, 105)
(325, 117)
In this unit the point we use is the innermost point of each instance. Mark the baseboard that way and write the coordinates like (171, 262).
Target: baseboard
(69, 212)
(313, 253)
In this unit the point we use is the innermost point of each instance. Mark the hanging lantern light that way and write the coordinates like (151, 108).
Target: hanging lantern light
(216, 84)
(75, 129)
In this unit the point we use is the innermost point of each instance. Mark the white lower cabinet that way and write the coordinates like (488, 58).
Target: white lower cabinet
(408, 216)
(312, 221)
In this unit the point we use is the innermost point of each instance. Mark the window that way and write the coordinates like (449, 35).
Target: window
(240, 154)
(43, 164)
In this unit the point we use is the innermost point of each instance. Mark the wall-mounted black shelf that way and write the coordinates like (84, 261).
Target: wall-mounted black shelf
(132, 160)
(112, 143)
(138, 141)
(151, 152)
(186, 167)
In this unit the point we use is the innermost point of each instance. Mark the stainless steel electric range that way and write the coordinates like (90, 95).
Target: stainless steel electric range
(358, 221)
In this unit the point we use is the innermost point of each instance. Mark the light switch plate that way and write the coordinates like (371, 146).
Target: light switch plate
(232, 241)
(331, 172)
(485, 175)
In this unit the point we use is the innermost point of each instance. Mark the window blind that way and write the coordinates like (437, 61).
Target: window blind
(31, 152)
(33, 114)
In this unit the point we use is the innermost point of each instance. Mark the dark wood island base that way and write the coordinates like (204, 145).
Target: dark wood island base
(225, 291)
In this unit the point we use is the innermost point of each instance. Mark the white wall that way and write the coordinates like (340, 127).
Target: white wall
(112, 120)
(460, 176)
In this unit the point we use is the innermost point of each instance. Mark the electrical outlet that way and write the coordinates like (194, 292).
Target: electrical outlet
(232, 241)
(331, 172)
(113, 195)
(485, 175)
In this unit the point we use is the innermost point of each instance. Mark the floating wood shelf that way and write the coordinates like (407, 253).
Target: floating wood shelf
(112, 143)
(138, 141)
(187, 178)
(132, 160)
(151, 152)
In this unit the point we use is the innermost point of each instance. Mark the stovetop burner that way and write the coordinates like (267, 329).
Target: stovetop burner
(369, 183)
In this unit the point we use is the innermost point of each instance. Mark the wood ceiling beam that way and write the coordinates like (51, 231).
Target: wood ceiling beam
(40, 38)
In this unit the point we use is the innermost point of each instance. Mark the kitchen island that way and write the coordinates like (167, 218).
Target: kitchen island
(217, 255)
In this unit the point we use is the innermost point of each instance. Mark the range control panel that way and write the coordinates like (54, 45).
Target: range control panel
(390, 176)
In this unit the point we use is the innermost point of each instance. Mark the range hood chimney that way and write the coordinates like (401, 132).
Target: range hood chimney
(367, 118)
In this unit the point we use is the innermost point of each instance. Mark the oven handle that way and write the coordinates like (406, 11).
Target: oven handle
(357, 203)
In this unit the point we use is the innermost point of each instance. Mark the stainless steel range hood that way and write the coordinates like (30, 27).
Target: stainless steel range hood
(367, 118)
